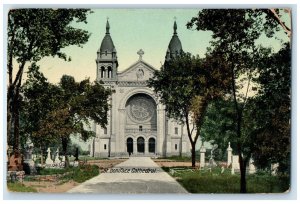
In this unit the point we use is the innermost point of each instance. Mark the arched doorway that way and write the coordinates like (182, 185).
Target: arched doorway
(129, 144)
(140, 145)
(151, 144)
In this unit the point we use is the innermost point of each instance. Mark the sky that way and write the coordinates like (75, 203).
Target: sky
(131, 30)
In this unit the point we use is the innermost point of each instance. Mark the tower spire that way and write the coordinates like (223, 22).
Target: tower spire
(107, 26)
(175, 26)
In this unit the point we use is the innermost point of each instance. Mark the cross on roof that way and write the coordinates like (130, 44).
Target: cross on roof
(140, 53)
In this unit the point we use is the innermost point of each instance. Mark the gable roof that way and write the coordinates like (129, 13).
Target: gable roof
(148, 66)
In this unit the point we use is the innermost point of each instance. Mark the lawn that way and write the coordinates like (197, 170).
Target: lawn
(19, 187)
(54, 178)
(213, 181)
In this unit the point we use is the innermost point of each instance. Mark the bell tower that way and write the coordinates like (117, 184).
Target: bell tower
(107, 60)
(174, 48)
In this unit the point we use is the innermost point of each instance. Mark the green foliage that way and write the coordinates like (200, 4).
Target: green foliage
(215, 182)
(48, 171)
(83, 173)
(219, 124)
(272, 112)
(63, 109)
(19, 187)
(32, 35)
(36, 33)
(186, 84)
(235, 33)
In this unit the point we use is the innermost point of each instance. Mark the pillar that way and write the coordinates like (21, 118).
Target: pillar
(146, 147)
(229, 155)
(134, 146)
(202, 157)
(121, 132)
(161, 123)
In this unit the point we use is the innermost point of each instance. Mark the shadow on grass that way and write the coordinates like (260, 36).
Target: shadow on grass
(213, 181)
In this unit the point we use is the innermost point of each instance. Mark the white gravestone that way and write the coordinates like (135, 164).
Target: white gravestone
(57, 160)
(252, 168)
(49, 160)
(235, 163)
(274, 168)
(229, 155)
(28, 157)
(202, 156)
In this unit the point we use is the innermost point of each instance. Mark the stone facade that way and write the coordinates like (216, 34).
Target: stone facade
(137, 123)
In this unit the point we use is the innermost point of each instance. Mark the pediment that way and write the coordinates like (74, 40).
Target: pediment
(139, 71)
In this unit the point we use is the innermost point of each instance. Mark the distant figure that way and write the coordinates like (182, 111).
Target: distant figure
(76, 154)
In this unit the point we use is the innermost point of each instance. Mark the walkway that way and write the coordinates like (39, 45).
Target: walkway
(136, 175)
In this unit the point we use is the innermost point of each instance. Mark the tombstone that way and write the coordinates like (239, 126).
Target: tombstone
(9, 152)
(34, 157)
(57, 160)
(202, 157)
(235, 162)
(274, 169)
(222, 169)
(252, 168)
(29, 166)
(49, 161)
(15, 162)
(232, 170)
(229, 155)
(63, 159)
(212, 162)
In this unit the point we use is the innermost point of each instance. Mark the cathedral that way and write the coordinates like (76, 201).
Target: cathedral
(137, 121)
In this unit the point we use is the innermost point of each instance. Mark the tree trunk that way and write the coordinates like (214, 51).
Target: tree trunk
(16, 125)
(65, 141)
(194, 154)
(243, 183)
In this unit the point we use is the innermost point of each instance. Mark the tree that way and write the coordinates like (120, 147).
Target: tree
(39, 99)
(234, 33)
(185, 85)
(32, 35)
(272, 115)
(69, 109)
(219, 124)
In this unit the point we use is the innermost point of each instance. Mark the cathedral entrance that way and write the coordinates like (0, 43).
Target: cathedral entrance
(129, 143)
(141, 124)
(140, 145)
(151, 144)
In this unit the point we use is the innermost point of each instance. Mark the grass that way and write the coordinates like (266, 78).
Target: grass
(214, 182)
(19, 187)
(82, 173)
(49, 171)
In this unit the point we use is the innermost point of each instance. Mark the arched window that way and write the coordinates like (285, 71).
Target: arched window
(102, 72)
(109, 72)
(104, 146)
(141, 145)
(175, 146)
(151, 144)
(129, 144)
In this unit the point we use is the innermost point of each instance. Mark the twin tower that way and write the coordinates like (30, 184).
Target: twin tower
(107, 60)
